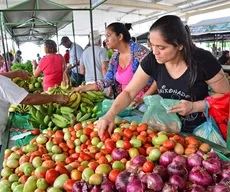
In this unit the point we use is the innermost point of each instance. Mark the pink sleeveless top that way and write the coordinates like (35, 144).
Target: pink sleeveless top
(124, 76)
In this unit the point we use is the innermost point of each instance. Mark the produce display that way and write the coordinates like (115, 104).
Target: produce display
(33, 84)
(133, 158)
(27, 66)
(81, 108)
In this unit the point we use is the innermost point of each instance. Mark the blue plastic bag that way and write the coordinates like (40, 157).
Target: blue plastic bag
(209, 129)
(157, 117)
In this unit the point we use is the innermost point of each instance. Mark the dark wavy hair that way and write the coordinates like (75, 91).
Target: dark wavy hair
(50, 46)
(120, 28)
(176, 33)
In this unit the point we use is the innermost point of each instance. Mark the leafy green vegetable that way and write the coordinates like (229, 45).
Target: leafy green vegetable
(23, 66)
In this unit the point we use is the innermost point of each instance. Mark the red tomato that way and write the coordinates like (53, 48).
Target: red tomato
(85, 156)
(127, 144)
(68, 185)
(61, 169)
(142, 127)
(78, 126)
(109, 146)
(35, 131)
(105, 136)
(113, 175)
(148, 167)
(169, 144)
(116, 137)
(51, 175)
(87, 131)
(128, 133)
(59, 134)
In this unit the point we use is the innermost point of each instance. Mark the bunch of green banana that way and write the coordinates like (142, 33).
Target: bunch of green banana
(87, 113)
(57, 90)
(22, 109)
(37, 117)
(19, 81)
(91, 97)
(74, 100)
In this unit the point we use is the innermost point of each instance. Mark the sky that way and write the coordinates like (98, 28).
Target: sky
(29, 51)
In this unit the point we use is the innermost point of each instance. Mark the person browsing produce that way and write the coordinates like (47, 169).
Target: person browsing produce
(10, 93)
(123, 64)
(52, 66)
(181, 70)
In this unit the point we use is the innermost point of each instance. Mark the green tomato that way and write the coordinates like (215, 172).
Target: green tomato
(133, 152)
(13, 185)
(85, 163)
(41, 139)
(79, 133)
(118, 130)
(37, 162)
(118, 165)
(56, 149)
(19, 188)
(5, 189)
(154, 154)
(161, 139)
(136, 143)
(95, 179)
(55, 189)
(31, 148)
(78, 149)
(49, 146)
(120, 144)
(39, 169)
(14, 156)
(87, 173)
(42, 184)
(67, 135)
(103, 169)
(5, 183)
(77, 142)
(12, 163)
(83, 138)
(6, 172)
(109, 157)
(28, 170)
(95, 141)
(100, 145)
(13, 178)
(60, 157)
(60, 180)
(7, 151)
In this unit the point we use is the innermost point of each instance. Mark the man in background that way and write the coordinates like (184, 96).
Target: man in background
(101, 60)
(75, 52)
(18, 57)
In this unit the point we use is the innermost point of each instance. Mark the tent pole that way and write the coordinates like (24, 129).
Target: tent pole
(92, 37)
(75, 50)
(3, 43)
(57, 38)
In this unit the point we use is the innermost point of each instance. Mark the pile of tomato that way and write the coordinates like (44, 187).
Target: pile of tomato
(54, 161)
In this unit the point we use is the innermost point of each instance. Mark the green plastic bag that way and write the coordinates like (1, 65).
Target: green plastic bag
(209, 130)
(157, 117)
(106, 105)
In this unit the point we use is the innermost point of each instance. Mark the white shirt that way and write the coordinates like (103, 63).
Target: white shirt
(72, 57)
(10, 93)
(101, 55)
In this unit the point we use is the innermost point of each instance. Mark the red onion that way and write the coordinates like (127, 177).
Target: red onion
(143, 176)
(225, 164)
(197, 188)
(178, 181)
(200, 176)
(135, 185)
(80, 186)
(200, 152)
(181, 159)
(177, 168)
(225, 173)
(194, 160)
(119, 153)
(96, 188)
(154, 181)
(107, 186)
(169, 188)
(213, 154)
(212, 165)
(138, 160)
(122, 181)
(167, 157)
(225, 181)
(210, 188)
(162, 171)
(221, 188)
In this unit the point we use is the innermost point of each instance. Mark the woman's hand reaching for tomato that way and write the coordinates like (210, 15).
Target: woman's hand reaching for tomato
(183, 108)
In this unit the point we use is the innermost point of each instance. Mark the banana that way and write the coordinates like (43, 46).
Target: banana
(83, 108)
(87, 101)
(72, 97)
(50, 124)
(47, 119)
(95, 109)
(59, 123)
(99, 93)
(66, 110)
(98, 100)
(84, 95)
(76, 102)
(84, 117)
(60, 118)
(91, 94)
(79, 115)
(34, 124)
(50, 109)
(39, 116)
(42, 126)
(16, 79)
(33, 111)
(43, 110)
(92, 120)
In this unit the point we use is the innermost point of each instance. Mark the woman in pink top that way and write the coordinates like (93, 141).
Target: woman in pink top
(52, 66)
